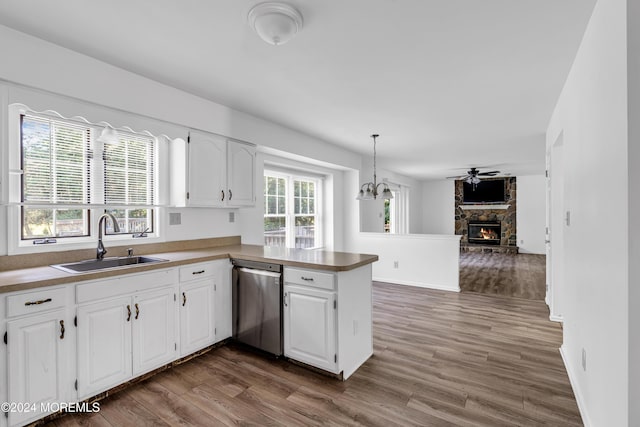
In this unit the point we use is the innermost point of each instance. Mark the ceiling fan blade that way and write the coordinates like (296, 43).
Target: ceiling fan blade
(492, 173)
(457, 177)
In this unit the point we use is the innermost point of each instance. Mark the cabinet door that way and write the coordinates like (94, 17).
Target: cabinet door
(241, 160)
(104, 345)
(196, 316)
(223, 312)
(310, 326)
(37, 351)
(207, 170)
(154, 329)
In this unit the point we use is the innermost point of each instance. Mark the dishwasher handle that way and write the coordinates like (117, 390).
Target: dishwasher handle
(258, 272)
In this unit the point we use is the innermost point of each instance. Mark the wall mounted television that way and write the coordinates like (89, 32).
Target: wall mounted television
(487, 191)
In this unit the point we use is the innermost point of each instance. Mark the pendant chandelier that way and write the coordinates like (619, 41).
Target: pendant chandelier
(369, 190)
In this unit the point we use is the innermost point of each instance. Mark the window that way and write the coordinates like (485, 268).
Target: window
(291, 217)
(66, 172)
(396, 210)
(55, 171)
(129, 180)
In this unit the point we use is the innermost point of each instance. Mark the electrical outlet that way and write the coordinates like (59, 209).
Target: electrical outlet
(232, 217)
(175, 218)
(395, 264)
(584, 360)
(567, 218)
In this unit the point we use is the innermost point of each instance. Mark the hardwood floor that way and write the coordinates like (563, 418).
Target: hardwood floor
(440, 359)
(519, 276)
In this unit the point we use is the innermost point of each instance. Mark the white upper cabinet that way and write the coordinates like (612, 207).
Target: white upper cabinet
(241, 162)
(206, 170)
(210, 170)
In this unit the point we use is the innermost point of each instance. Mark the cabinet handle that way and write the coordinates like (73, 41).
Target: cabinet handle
(184, 299)
(285, 300)
(42, 301)
(62, 329)
(198, 272)
(230, 194)
(128, 313)
(222, 191)
(307, 279)
(137, 311)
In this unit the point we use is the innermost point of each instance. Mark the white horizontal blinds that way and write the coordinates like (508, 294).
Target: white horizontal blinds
(129, 180)
(54, 161)
(56, 171)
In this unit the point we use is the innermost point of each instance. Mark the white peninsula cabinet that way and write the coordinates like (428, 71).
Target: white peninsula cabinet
(126, 327)
(40, 343)
(327, 318)
(210, 170)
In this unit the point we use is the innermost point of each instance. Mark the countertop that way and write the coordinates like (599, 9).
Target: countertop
(36, 277)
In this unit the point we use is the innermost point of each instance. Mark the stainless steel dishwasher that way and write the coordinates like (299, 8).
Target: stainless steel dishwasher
(257, 305)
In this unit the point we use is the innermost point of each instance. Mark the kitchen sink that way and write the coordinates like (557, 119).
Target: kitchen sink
(106, 263)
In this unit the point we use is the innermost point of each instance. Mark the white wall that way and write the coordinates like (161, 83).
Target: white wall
(531, 214)
(428, 261)
(592, 114)
(438, 207)
(89, 85)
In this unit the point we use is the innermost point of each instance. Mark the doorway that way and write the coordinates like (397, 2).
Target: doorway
(555, 229)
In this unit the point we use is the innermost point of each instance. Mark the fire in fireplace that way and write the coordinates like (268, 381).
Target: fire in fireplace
(484, 233)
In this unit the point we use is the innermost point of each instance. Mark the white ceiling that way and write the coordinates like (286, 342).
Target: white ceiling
(447, 84)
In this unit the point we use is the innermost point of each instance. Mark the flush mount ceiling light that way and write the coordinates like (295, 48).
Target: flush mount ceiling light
(276, 23)
(369, 190)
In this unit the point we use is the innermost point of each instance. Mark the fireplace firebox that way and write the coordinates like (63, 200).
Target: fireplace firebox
(484, 232)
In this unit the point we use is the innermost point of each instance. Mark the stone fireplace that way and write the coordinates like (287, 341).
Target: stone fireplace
(499, 221)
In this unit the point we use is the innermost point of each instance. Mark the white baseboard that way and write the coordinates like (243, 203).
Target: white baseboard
(417, 284)
(556, 318)
(576, 391)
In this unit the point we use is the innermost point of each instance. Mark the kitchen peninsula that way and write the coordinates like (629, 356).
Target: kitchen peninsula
(151, 316)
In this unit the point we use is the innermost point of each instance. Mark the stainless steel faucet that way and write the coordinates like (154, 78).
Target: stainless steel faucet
(101, 251)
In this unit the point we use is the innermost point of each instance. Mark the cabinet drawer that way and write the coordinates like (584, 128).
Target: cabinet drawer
(196, 271)
(313, 278)
(35, 302)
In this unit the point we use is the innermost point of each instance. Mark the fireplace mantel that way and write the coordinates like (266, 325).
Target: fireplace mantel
(484, 207)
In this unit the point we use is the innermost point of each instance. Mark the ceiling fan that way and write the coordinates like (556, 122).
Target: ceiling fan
(473, 176)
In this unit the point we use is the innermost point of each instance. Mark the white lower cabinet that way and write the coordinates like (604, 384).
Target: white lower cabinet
(39, 356)
(310, 326)
(104, 345)
(205, 304)
(154, 340)
(125, 337)
(196, 316)
(37, 350)
(327, 318)
(126, 326)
